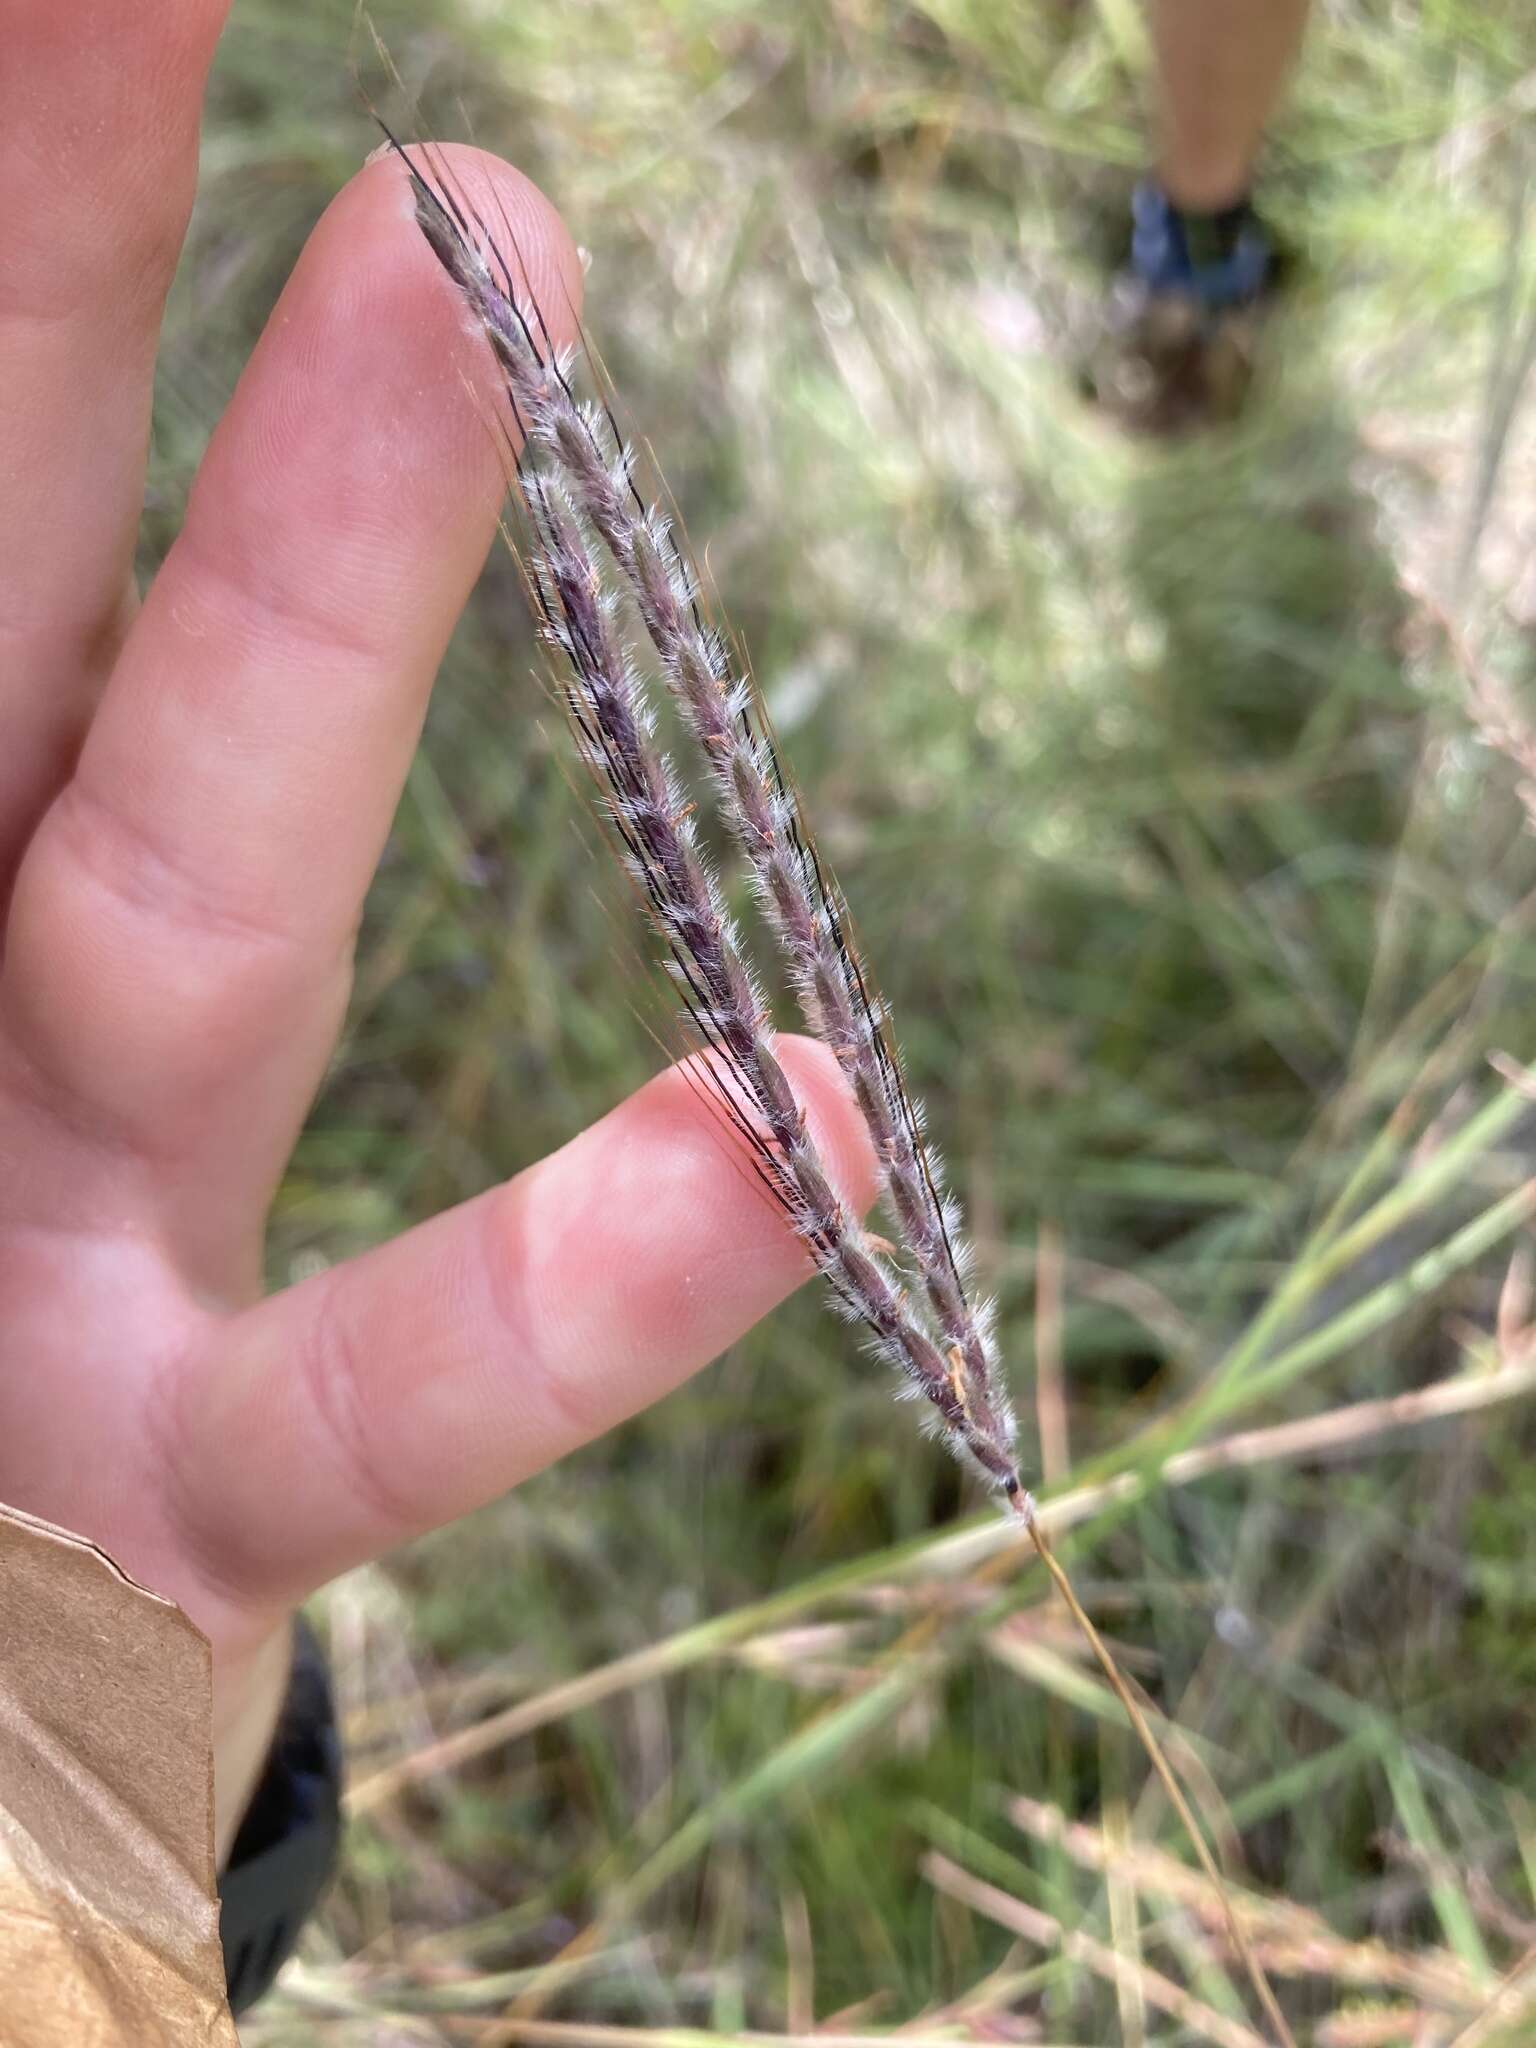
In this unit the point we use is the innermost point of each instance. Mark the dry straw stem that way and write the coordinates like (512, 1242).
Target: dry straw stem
(1496, 714)
(1381, 2027)
(1125, 1929)
(1171, 1785)
(905, 1669)
(1499, 2025)
(1032, 1925)
(313, 1990)
(1295, 1939)
(1339, 1431)
(330, 1992)
(580, 2034)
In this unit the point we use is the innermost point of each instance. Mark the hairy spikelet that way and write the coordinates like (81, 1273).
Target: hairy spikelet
(594, 541)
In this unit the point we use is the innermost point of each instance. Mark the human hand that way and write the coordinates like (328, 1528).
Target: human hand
(193, 795)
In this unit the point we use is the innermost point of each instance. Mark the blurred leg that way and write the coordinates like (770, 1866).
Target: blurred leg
(1222, 66)
(1181, 332)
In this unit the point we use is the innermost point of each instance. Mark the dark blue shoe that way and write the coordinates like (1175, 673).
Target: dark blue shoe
(1219, 260)
(1180, 329)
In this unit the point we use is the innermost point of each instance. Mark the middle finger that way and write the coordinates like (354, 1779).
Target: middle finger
(181, 933)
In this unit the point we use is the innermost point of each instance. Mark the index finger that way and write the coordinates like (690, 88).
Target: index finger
(182, 927)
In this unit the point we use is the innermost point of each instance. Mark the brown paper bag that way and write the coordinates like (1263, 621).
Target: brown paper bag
(109, 1919)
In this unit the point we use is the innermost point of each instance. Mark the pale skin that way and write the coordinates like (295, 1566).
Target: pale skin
(194, 792)
(1221, 68)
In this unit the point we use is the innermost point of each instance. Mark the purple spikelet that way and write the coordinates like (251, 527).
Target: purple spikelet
(597, 545)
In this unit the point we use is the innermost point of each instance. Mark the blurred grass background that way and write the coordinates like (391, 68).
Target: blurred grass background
(1168, 814)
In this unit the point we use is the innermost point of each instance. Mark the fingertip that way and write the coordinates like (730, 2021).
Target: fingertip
(505, 208)
(651, 1242)
(359, 470)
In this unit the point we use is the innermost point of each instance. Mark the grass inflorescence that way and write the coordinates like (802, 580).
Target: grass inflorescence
(578, 486)
(1224, 906)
